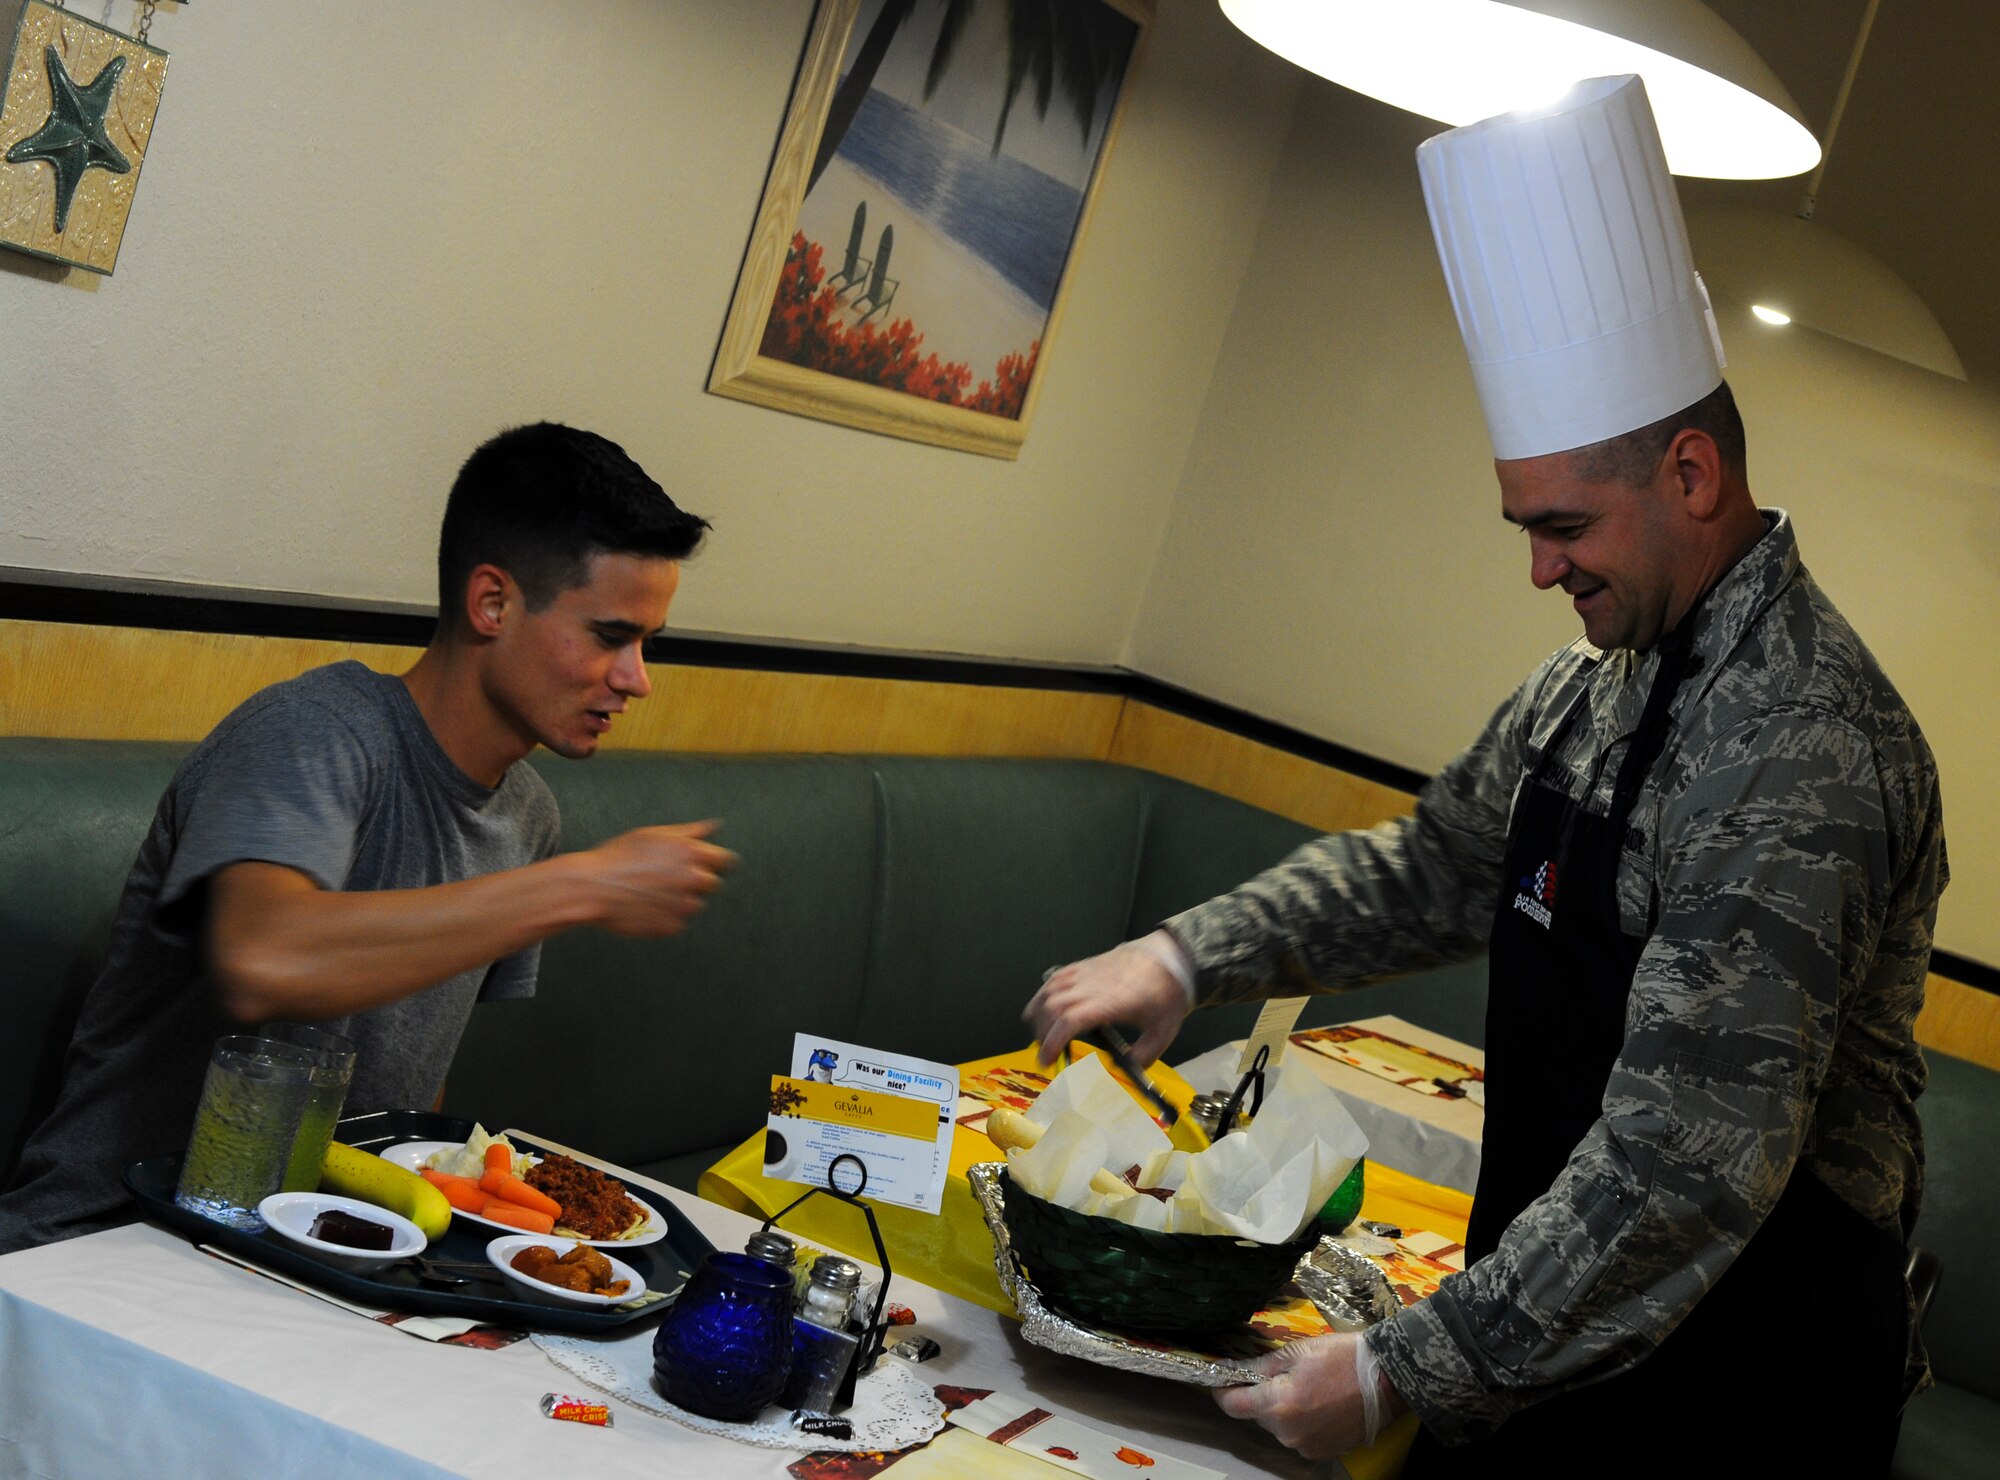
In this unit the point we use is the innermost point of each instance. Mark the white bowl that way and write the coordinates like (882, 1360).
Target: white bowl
(502, 1250)
(291, 1215)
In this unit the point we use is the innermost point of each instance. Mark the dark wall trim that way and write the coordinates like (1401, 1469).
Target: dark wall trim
(164, 607)
(1269, 732)
(1966, 970)
(200, 609)
(36, 596)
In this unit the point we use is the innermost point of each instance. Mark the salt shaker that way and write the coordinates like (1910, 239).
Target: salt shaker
(830, 1295)
(822, 1347)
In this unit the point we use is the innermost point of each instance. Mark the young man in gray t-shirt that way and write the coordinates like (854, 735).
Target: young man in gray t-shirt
(362, 850)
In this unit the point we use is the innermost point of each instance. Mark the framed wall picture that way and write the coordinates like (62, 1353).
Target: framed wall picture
(930, 191)
(77, 103)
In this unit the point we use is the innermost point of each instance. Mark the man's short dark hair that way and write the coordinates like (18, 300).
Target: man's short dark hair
(539, 502)
(1633, 458)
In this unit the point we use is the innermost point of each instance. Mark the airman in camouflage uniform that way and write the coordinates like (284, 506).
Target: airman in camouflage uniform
(1783, 864)
(1703, 853)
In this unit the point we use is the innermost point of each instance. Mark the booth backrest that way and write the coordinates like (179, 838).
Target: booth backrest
(911, 904)
(72, 814)
(1961, 1112)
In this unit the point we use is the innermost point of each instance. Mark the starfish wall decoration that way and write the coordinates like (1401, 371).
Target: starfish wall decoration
(77, 105)
(73, 139)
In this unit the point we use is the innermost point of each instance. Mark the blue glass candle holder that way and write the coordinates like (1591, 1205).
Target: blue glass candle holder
(725, 1349)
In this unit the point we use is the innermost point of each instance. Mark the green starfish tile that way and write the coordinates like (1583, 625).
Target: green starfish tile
(73, 139)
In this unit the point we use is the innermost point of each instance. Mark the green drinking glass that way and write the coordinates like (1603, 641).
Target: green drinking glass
(1345, 1205)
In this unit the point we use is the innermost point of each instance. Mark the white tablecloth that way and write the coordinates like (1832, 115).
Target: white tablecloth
(131, 1353)
(1427, 1136)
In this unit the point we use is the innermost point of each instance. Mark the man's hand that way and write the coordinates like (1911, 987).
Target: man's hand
(1311, 1399)
(652, 880)
(1125, 985)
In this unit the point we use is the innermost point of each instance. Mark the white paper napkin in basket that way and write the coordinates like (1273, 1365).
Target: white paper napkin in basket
(1263, 1184)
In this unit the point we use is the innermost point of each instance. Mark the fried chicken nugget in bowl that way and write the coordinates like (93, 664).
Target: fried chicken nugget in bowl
(552, 1271)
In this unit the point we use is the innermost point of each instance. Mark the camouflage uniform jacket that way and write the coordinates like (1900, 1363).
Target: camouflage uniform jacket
(1783, 864)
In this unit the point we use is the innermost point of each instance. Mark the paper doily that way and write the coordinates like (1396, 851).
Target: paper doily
(893, 1407)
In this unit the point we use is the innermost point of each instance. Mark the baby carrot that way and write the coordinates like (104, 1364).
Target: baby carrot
(467, 1199)
(498, 1158)
(514, 1190)
(526, 1219)
(462, 1193)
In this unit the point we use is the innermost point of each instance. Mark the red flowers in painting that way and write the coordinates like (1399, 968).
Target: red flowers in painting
(805, 328)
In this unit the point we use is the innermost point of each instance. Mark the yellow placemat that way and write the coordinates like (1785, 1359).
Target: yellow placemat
(1410, 1202)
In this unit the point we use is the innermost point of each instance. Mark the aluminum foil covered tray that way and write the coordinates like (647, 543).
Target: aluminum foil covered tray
(1349, 1291)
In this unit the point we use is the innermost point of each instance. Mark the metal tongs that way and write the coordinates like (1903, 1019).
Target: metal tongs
(1119, 1051)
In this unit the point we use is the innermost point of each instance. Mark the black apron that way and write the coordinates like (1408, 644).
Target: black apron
(1797, 1353)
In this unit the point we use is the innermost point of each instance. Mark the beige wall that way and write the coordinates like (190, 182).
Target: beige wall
(1336, 558)
(371, 233)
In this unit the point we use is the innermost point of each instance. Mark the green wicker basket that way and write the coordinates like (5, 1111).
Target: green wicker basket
(1106, 1273)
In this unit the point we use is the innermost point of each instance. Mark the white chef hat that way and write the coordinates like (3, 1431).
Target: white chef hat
(1568, 264)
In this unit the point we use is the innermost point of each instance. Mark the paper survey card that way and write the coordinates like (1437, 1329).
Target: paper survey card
(886, 1118)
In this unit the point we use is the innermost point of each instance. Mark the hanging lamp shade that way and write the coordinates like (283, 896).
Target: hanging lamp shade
(1721, 111)
(1819, 279)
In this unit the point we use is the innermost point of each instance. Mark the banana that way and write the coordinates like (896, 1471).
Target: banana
(364, 1175)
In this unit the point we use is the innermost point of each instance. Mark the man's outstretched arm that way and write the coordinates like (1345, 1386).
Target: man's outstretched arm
(1341, 910)
(279, 946)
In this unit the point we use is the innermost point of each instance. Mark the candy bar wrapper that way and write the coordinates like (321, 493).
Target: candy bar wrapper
(576, 1410)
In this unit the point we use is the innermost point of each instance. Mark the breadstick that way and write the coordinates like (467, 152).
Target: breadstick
(1011, 1130)
(1110, 1184)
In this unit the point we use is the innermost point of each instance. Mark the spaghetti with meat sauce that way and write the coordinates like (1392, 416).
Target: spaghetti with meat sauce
(594, 1206)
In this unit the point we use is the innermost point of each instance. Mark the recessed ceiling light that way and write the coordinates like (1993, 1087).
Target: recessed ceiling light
(1770, 315)
(1825, 282)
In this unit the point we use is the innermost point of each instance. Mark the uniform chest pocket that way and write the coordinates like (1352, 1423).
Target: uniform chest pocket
(1637, 853)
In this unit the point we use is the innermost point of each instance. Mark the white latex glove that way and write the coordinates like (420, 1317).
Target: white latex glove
(1130, 984)
(1321, 1397)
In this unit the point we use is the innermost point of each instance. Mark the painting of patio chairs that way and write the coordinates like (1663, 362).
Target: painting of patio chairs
(865, 280)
